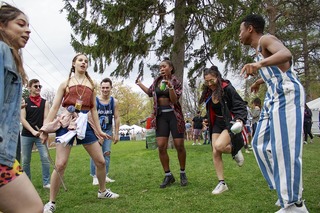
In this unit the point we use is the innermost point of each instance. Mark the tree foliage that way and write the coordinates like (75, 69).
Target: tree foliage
(133, 106)
(129, 31)
(191, 32)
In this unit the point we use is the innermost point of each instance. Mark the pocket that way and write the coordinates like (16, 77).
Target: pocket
(12, 86)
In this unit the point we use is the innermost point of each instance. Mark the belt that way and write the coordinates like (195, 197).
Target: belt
(167, 110)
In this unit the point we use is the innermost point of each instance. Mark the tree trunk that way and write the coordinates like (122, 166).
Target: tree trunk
(179, 37)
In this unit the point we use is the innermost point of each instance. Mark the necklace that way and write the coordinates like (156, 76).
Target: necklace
(85, 78)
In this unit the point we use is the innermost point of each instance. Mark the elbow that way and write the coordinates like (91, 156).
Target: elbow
(288, 55)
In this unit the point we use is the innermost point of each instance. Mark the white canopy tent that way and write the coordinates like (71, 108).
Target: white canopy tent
(123, 129)
(136, 129)
(314, 105)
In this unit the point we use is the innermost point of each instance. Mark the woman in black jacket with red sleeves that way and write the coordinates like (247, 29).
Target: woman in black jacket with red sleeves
(224, 108)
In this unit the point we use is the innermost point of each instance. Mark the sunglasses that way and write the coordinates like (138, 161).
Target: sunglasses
(37, 86)
(211, 81)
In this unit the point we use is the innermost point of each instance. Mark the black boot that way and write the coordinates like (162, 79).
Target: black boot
(183, 179)
(167, 181)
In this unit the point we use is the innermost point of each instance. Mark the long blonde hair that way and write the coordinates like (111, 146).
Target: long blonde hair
(9, 13)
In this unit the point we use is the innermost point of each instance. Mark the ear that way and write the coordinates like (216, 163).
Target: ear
(250, 28)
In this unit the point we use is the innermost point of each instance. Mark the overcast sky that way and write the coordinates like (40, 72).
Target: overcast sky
(48, 53)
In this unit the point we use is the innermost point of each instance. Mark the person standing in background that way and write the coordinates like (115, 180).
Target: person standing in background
(197, 128)
(277, 148)
(255, 114)
(16, 190)
(248, 125)
(205, 131)
(32, 117)
(307, 124)
(107, 108)
(188, 130)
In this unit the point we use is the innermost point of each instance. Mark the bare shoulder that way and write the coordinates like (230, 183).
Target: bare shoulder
(269, 39)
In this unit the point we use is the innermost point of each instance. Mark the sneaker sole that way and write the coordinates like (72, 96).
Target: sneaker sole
(169, 184)
(220, 192)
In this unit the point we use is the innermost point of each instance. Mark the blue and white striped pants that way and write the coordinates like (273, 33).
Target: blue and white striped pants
(278, 141)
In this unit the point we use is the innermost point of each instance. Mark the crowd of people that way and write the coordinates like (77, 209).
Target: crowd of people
(89, 119)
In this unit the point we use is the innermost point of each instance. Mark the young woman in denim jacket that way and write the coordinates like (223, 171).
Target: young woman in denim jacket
(16, 190)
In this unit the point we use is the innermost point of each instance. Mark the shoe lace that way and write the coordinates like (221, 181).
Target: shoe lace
(219, 185)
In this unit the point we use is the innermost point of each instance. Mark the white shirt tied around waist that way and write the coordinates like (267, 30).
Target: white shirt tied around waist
(80, 130)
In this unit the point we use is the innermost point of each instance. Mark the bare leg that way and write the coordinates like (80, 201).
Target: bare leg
(220, 145)
(95, 153)
(20, 196)
(62, 155)
(179, 144)
(163, 154)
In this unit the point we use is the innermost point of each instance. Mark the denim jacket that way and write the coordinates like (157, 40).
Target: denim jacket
(10, 101)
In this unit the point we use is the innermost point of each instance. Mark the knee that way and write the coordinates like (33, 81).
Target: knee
(107, 153)
(100, 163)
(61, 166)
(218, 148)
(162, 149)
(180, 147)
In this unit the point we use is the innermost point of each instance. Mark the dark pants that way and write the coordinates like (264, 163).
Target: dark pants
(307, 130)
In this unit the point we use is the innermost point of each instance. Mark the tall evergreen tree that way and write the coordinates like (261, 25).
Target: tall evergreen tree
(190, 32)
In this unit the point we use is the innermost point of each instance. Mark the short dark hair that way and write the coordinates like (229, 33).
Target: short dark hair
(257, 21)
(106, 80)
(32, 81)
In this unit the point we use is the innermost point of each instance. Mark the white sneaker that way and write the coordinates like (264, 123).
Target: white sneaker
(109, 180)
(49, 207)
(239, 158)
(107, 194)
(95, 181)
(220, 188)
(193, 144)
(46, 186)
(277, 203)
(305, 142)
(294, 209)
(199, 143)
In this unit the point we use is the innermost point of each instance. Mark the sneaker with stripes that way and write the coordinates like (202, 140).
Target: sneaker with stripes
(107, 194)
(49, 207)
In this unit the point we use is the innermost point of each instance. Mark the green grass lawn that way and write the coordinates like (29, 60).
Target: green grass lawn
(138, 174)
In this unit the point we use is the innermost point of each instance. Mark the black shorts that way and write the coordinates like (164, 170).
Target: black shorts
(219, 125)
(166, 123)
